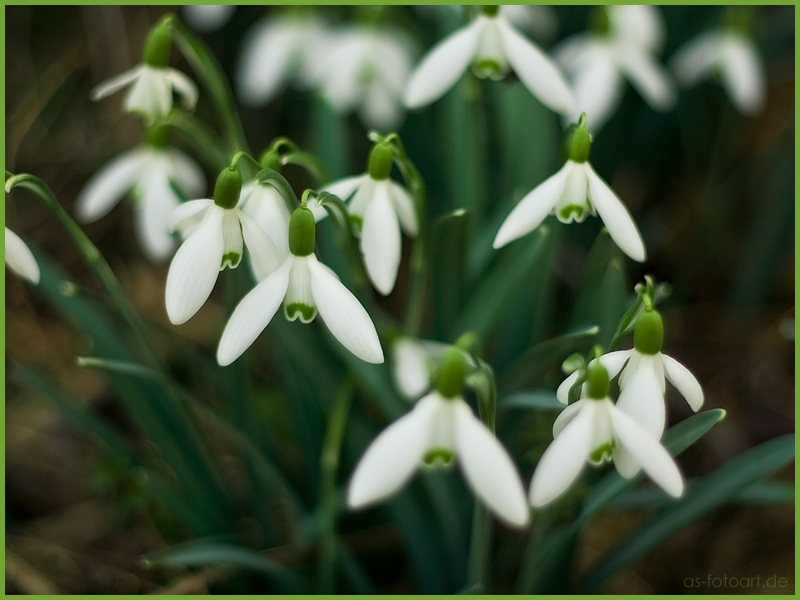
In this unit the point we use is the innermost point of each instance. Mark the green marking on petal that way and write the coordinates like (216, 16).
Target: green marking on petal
(601, 454)
(439, 458)
(488, 67)
(300, 309)
(572, 211)
(231, 259)
(357, 222)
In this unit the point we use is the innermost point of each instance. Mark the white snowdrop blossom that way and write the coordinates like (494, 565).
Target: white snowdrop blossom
(151, 174)
(152, 82)
(20, 259)
(731, 55)
(217, 242)
(264, 204)
(572, 193)
(437, 429)
(379, 208)
(594, 430)
(364, 70)
(414, 363)
(598, 63)
(208, 17)
(275, 51)
(492, 46)
(305, 287)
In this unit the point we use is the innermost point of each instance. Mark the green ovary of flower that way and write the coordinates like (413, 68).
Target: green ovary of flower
(158, 47)
(302, 232)
(228, 188)
(648, 332)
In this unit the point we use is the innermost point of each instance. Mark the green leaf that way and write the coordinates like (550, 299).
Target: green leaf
(312, 165)
(708, 493)
(761, 492)
(449, 238)
(532, 400)
(202, 140)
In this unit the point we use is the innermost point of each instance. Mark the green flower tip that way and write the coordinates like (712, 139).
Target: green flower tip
(597, 380)
(158, 46)
(270, 160)
(380, 161)
(158, 136)
(578, 141)
(491, 10)
(598, 21)
(452, 369)
(648, 332)
(228, 188)
(302, 232)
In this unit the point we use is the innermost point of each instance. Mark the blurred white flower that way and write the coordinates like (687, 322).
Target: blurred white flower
(19, 258)
(492, 46)
(208, 17)
(598, 62)
(732, 56)
(414, 362)
(276, 50)
(149, 174)
(265, 205)
(538, 19)
(440, 428)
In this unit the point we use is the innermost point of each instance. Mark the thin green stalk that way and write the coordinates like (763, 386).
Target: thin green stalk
(329, 464)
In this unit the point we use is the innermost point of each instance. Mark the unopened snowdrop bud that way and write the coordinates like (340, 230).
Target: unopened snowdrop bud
(302, 232)
(158, 47)
(648, 332)
(596, 381)
(380, 161)
(271, 160)
(450, 378)
(578, 141)
(228, 188)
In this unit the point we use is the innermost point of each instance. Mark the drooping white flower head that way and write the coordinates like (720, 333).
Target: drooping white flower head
(275, 51)
(493, 47)
(217, 242)
(20, 259)
(414, 363)
(594, 430)
(379, 208)
(152, 82)
(151, 173)
(623, 47)
(305, 287)
(208, 17)
(731, 55)
(571, 194)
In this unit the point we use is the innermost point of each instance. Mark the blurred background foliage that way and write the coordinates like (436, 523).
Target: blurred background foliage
(91, 478)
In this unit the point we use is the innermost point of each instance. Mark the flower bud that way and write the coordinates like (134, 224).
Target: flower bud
(158, 136)
(578, 141)
(450, 378)
(648, 332)
(271, 160)
(598, 20)
(158, 47)
(302, 232)
(597, 381)
(491, 10)
(228, 188)
(380, 161)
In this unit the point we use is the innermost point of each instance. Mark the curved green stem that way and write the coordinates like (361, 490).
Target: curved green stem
(242, 154)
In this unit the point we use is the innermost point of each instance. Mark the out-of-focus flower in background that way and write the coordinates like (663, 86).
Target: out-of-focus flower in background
(208, 17)
(19, 258)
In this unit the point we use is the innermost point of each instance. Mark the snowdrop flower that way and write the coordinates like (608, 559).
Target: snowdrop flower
(304, 286)
(151, 173)
(214, 244)
(492, 46)
(730, 54)
(623, 48)
(364, 69)
(379, 208)
(19, 258)
(540, 20)
(414, 364)
(572, 193)
(595, 430)
(276, 50)
(441, 428)
(208, 17)
(152, 82)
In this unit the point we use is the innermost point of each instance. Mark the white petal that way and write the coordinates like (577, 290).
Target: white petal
(533, 208)
(184, 87)
(19, 258)
(344, 188)
(573, 49)
(361, 199)
(488, 468)
(562, 393)
(648, 452)
(598, 88)
(268, 209)
(344, 315)
(393, 458)
(566, 416)
(539, 74)
(266, 61)
(404, 205)
(743, 74)
(684, 381)
(186, 215)
(442, 67)
(696, 58)
(232, 243)
(253, 314)
(563, 460)
(156, 204)
(639, 25)
(150, 96)
(380, 241)
(624, 462)
(411, 367)
(186, 174)
(115, 84)
(613, 361)
(265, 258)
(107, 187)
(380, 109)
(193, 272)
(299, 301)
(616, 217)
(642, 398)
(648, 77)
(208, 17)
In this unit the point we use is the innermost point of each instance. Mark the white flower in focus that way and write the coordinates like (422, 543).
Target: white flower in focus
(149, 174)
(440, 428)
(594, 430)
(217, 242)
(364, 69)
(379, 209)
(599, 63)
(493, 47)
(304, 286)
(152, 82)
(571, 194)
(276, 50)
(20, 259)
(732, 56)
(208, 17)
